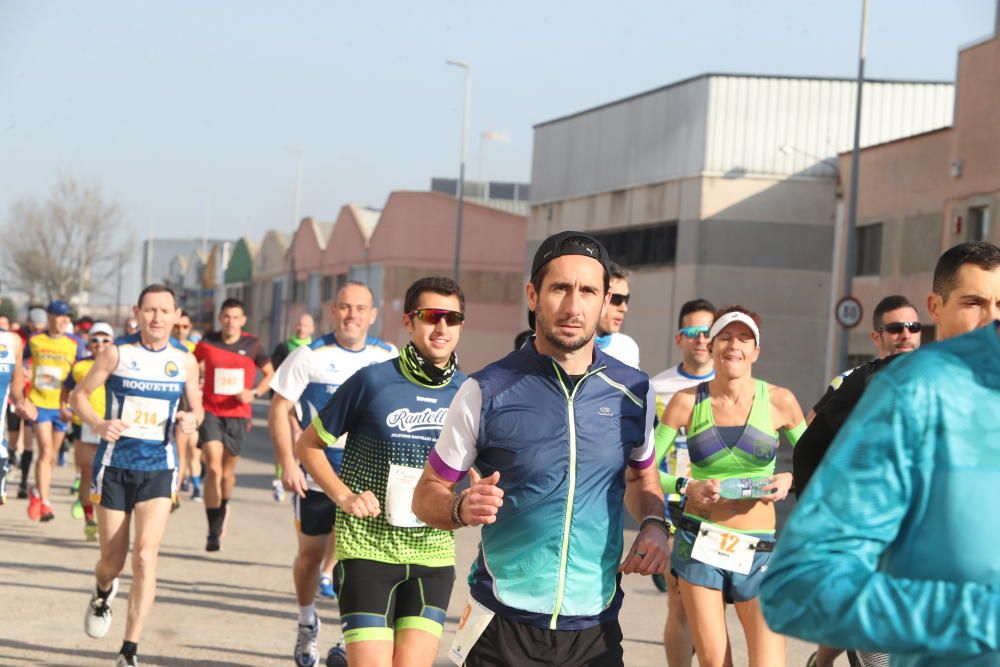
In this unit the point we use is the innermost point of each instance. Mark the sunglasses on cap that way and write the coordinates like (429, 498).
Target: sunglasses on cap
(619, 299)
(896, 328)
(435, 315)
(694, 332)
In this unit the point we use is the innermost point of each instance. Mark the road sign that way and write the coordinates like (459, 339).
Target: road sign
(849, 312)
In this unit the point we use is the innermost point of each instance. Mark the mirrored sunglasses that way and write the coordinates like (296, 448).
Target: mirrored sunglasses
(694, 332)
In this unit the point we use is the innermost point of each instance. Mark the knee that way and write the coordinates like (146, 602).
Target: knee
(144, 559)
(310, 559)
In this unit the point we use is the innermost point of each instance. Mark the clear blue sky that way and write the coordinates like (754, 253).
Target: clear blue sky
(167, 104)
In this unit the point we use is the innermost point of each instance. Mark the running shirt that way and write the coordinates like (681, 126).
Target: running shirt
(392, 425)
(52, 357)
(229, 369)
(97, 400)
(143, 391)
(620, 346)
(189, 344)
(8, 344)
(674, 458)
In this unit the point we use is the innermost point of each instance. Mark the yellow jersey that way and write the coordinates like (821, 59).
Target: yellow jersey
(79, 371)
(52, 357)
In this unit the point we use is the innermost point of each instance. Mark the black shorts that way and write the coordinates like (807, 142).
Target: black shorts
(314, 514)
(377, 599)
(507, 642)
(76, 435)
(13, 419)
(229, 430)
(122, 489)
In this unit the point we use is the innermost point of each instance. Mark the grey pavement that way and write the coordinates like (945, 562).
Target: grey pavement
(234, 607)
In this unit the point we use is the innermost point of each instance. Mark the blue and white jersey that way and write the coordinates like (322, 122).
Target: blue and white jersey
(8, 343)
(144, 391)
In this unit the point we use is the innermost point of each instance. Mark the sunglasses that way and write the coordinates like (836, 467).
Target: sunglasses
(619, 299)
(435, 315)
(694, 332)
(896, 328)
(101, 341)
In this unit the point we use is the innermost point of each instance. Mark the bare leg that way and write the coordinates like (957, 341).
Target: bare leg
(676, 635)
(415, 648)
(45, 457)
(113, 530)
(84, 453)
(765, 647)
(706, 613)
(372, 653)
(228, 474)
(150, 524)
(212, 451)
(305, 569)
(328, 558)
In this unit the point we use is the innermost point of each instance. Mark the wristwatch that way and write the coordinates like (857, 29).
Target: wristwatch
(681, 485)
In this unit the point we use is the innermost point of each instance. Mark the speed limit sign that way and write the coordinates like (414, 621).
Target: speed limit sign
(849, 312)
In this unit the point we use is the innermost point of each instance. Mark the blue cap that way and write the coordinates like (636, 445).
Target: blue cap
(58, 307)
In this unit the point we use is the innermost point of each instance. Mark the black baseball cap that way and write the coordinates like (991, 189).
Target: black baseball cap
(568, 243)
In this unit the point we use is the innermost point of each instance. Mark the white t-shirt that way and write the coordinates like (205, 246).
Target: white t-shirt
(666, 384)
(621, 347)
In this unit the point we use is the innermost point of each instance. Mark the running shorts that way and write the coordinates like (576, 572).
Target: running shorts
(507, 642)
(51, 415)
(314, 514)
(122, 489)
(228, 430)
(735, 587)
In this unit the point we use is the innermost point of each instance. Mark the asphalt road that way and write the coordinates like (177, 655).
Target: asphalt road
(234, 607)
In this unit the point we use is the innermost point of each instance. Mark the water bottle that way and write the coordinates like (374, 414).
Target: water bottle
(744, 487)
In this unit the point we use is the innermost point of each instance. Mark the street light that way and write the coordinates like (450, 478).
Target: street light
(461, 165)
(295, 230)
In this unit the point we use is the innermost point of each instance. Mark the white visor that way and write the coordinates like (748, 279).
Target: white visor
(728, 319)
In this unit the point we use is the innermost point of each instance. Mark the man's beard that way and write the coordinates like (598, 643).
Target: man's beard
(561, 343)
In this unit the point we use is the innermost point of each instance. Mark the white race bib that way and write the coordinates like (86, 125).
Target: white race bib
(683, 465)
(399, 497)
(88, 434)
(474, 620)
(722, 549)
(146, 417)
(48, 377)
(229, 381)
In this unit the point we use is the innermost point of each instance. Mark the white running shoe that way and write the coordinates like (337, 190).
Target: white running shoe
(122, 661)
(97, 620)
(306, 645)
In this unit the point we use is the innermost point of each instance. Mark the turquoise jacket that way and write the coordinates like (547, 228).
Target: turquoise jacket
(895, 545)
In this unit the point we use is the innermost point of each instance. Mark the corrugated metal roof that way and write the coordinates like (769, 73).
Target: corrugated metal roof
(367, 220)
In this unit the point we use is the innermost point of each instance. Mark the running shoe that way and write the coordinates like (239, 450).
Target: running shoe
(34, 505)
(90, 531)
(337, 657)
(212, 543)
(77, 511)
(97, 619)
(278, 490)
(196, 494)
(47, 513)
(660, 582)
(326, 587)
(811, 662)
(306, 646)
(122, 661)
(74, 488)
(22, 492)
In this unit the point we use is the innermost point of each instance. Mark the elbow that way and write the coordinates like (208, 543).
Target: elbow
(419, 503)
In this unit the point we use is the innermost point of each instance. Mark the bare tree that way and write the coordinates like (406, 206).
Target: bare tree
(68, 244)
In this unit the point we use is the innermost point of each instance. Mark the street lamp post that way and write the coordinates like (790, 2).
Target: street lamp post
(296, 213)
(461, 166)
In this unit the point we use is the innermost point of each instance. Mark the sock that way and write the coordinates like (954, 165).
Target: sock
(277, 471)
(129, 649)
(307, 614)
(214, 515)
(196, 483)
(26, 459)
(104, 594)
(222, 505)
(88, 512)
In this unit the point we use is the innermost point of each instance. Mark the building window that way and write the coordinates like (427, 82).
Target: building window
(326, 290)
(637, 247)
(869, 250)
(979, 223)
(299, 295)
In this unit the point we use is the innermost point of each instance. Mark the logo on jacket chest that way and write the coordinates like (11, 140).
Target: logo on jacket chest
(408, 421)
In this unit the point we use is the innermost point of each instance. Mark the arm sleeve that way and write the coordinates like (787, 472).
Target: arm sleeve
(824, 583)
(644, 454)
(455, 451)
(793, 434)
(664, 437)
(291, 378)
(342, 411)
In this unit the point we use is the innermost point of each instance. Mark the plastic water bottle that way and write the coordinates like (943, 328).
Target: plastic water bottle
(744, 487)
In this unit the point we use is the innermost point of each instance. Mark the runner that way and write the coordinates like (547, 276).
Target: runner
(889, 550)
(230, 358)
(131, 326)
(85, 437)
(188, 453)
(11, 386)
(726, 534)
(304, 329)
(37, 321)
(562, 433)
(610, 338)
(394, 573)
(302, 385)
(136, 473)
(52, 354)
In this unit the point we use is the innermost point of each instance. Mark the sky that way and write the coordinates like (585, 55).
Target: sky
(189, 113)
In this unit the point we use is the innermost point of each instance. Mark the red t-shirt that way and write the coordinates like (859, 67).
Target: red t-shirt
(229, 369)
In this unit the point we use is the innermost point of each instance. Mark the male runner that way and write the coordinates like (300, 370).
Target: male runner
(11, 386)
(394, 572)
(302, 385)
(304, 329)
(230, 358)
(144, 376)
(37, 321)
(52, 354)
(563, 436)
(188, 454)
(610, 338)
(888, 549)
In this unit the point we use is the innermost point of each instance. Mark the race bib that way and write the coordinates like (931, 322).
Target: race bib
(683, 464)
(146, 417)
(474, 620)
(88, 434)
(229, 381)
(399, 497)
(722, 549)
(48, 377)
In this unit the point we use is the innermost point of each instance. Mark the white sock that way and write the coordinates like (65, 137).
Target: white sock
(307, 614)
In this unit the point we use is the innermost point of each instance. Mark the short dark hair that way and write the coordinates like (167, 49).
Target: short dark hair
(155, 288)
(439, 285)
(891, 302)
(185, 313)
(619, 272)
(233, 303)
(694, 306)
(983, 254)
(521, 338)
(574, 241)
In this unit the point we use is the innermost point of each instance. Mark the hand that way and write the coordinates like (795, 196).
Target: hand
(187, 421)
(779, 488)
(704, 491)
(27, 410)
(649, 554)
(361, 505)
(294, 480)
(482, 501)
(111, 429)
(65, 414)
(246, 396)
